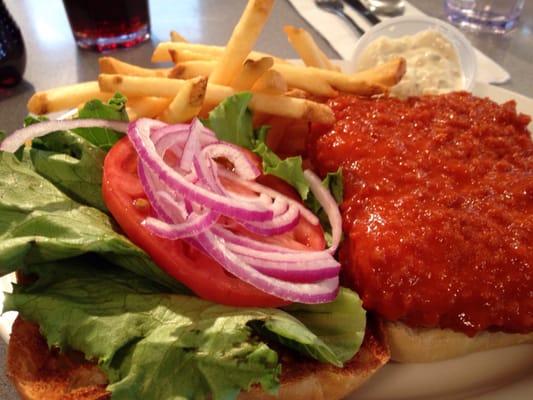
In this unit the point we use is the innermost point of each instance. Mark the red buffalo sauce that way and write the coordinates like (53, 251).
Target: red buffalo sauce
(438, 208)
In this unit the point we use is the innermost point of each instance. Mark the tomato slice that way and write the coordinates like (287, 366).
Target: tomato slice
(125, 199)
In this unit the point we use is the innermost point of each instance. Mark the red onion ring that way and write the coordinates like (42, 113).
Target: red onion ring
(139, 134)
(330, 208)
(17, 139)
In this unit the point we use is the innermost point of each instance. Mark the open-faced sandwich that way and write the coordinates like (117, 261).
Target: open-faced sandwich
(187, 242)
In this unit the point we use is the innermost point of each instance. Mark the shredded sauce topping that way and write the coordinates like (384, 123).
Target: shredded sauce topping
(438, 208)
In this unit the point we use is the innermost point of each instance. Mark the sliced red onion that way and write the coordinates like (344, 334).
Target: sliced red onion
(192, 146)
(195, 224)
(329, 205)
(247, 242)
(204, 169)
(17, 139)
(310, 293)
(164, 130)
(242, 165)
(139, 134)
(293, 273)
(179, 129)
(298, 256)
(258, 188)
(279, 224)
(150, 191)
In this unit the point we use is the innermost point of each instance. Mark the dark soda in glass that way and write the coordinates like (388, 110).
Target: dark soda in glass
(108, 24)
(12, 51)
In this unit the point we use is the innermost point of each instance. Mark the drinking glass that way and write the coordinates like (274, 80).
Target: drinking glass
(497, 16)
(387, 7)
(108, 24)
(12, 50)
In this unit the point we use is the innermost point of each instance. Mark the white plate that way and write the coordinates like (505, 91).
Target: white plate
(493, 375)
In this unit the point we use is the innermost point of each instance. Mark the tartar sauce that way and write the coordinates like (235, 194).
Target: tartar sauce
(432, 62)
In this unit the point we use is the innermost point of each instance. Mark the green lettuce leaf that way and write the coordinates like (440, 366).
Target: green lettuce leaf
(339, 324)
(114, 110)
(39, 223)
(289, 169)
(73, 160)
(153, 345)
(73, 164)
(231, 120)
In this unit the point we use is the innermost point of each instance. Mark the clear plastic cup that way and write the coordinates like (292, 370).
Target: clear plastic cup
(498, 16)
(410, 25)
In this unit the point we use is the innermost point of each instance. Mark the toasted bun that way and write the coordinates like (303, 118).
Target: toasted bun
(39, 373)
(420, 345)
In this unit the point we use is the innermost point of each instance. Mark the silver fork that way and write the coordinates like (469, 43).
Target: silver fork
(336, 7)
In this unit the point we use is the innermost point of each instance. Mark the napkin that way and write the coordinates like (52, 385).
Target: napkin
(341, 36)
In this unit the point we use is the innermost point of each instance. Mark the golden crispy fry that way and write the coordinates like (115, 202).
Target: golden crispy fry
(191, 69)
(298, 93)
(199, 52)
(295, 76)
(365, 83)
(187, 103)
(277, 105)
(298, 77)
(133, 86)
(388, 74)
(307, 48)
(110, 65)
(242, 41)
(148, 107)
(177, 56)
(65, 97)
(271, 82)
(176, 37)
(161, 52)
(137, 86)
(251, 72)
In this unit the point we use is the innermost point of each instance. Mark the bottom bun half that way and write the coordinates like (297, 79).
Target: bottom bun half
(39, 373)
(422, 345)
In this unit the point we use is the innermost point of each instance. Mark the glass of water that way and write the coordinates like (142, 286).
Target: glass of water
(498, 16)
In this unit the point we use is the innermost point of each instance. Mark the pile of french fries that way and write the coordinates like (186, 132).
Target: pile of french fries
(204, 75)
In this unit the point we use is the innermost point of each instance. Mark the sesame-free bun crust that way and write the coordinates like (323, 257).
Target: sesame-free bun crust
(39, 373)
(422, 345)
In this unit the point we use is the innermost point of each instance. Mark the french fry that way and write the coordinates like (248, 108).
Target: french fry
(250, 73)
(298, 93)
(295, 76)
(137, 86)
(242, 40)
(365, 83)
(300, 78)
(177, 56)
(176, 37)
(134, 86)
(307, 48)
(161, 52)
(146, 107)
(65, 97)
(191, 69)
(271, 82)
(110, 65)
(277, 105)
(387, 74)
(187, 103)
